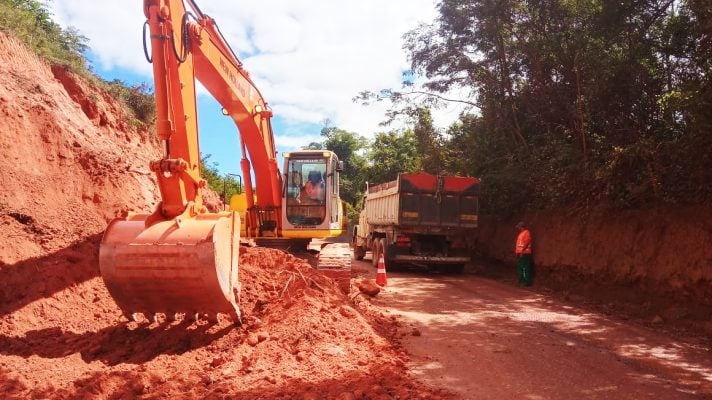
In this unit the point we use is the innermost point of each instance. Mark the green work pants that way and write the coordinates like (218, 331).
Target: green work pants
(524, 268)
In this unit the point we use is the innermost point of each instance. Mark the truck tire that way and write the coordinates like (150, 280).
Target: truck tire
(358, 251)
(387, 255)
(376, 250)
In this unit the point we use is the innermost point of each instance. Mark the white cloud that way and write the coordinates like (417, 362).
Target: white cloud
(308, 58)
(295, 142)
(113, 29)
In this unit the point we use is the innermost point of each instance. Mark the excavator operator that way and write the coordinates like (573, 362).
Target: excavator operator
(313, 191)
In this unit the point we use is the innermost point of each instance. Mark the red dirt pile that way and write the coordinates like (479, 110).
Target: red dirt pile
(71, 163)
(301, 338)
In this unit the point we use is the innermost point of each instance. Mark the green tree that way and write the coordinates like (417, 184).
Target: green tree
(224, 185)
(348, 146)
(392, 153)
(429, 142)
(577, 101)
(211, 174)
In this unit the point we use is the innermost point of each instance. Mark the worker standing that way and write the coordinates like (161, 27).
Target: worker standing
(523, 250)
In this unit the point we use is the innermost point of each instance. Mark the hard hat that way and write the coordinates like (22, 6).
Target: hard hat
(314, 176)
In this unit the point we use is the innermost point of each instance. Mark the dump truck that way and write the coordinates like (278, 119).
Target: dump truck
(419, 219)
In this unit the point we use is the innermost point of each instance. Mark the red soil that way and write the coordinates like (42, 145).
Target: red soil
(302, 338)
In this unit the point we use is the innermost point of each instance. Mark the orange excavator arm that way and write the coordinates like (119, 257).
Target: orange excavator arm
(187, 46)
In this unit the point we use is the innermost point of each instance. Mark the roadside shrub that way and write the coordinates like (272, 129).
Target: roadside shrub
(138, 98)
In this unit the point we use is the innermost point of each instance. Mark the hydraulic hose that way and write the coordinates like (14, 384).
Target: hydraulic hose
(145, 47)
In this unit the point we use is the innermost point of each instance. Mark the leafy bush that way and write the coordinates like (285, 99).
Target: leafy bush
(225, 186)
(138, 98)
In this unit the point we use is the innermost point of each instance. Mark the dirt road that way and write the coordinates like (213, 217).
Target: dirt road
(485, 339)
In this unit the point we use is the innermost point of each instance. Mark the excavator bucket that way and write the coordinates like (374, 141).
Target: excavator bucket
(180, 266)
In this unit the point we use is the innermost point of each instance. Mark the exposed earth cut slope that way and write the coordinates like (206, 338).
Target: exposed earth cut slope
(652, 265)
(71, 158)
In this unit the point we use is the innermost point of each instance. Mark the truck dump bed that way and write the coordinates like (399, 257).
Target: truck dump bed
(425, 200)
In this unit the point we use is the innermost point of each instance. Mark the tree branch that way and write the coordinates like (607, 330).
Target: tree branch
(442, 98)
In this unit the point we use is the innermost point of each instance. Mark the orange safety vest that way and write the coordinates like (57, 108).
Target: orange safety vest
(524, 242)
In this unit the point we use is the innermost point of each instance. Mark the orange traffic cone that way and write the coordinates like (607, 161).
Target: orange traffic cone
(381, 279)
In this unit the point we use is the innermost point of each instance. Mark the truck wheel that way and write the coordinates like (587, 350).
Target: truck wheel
(376, 250)
(387, 254)
(358, 251)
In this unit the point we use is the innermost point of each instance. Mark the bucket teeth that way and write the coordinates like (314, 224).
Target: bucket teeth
(149, 317)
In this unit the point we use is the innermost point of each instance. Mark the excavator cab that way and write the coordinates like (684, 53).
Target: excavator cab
(312, 203)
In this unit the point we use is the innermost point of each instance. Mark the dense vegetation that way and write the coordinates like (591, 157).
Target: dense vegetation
(576, 102)
(571, 103)
(31, 22)
(138, 98)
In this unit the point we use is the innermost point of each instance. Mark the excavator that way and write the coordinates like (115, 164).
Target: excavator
(182, 258)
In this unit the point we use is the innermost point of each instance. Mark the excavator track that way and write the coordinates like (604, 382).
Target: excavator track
(334, 261)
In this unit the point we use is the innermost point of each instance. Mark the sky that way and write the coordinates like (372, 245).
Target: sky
(309, 59)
